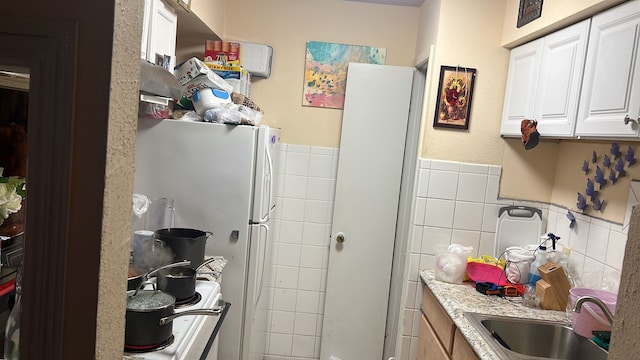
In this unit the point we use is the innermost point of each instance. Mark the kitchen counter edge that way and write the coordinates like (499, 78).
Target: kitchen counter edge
(456, 299)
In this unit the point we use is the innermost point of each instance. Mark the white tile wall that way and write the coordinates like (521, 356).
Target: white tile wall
(454, 203)
(458, 203)
(302, 223)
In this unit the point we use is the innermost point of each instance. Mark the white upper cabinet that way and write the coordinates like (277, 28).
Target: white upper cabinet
(159, 34)
(611, 86)
(544, 81)
(522, 84)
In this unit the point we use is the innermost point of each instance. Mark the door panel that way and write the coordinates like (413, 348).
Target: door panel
(365, 210)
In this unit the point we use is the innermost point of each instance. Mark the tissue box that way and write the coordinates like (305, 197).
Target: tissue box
(238, 77)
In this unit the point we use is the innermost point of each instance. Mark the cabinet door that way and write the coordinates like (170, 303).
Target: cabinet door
(162, 35)
(611, 84)
(522, 81)
(561, 70)
(428, 345)
(461, 348)
(144, 44)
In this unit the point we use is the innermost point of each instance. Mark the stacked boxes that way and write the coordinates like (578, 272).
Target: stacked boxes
(236, 76)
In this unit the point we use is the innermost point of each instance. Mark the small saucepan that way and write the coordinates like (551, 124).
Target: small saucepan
(149, 316)
(137, 275)
(179, 281)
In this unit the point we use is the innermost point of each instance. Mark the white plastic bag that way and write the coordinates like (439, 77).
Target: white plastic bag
(518, 261)
(451, 262)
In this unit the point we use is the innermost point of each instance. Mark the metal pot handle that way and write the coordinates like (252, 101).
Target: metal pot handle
(142, 285)
(205, 263)
(214, 312)
(181, 263)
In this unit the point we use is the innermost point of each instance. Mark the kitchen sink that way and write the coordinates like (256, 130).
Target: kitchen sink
(520, 338)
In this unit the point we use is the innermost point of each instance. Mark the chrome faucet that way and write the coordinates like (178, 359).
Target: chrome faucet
(581, 300)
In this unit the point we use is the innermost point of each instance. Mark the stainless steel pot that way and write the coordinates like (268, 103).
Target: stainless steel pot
(180, 281)
(185, 243)
(137, 276)
(150, 314)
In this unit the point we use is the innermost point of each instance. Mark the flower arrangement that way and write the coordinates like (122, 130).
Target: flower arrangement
(12, 192)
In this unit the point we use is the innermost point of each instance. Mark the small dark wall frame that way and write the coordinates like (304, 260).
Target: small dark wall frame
(453, 104)
(529, 11)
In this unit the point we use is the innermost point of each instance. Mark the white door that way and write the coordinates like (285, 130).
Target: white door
(374, 127)
(611, 85)
(522, 82)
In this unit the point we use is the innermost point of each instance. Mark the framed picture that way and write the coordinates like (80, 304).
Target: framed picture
(529, 11)
(186, 4)
(455, 91)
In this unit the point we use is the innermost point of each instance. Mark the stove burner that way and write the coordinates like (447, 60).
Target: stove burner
(144, 349)
(188, 302)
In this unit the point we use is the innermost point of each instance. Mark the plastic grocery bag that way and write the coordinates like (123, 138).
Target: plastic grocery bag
(451, 262)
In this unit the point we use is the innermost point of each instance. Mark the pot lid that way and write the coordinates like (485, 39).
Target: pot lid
(150, 300)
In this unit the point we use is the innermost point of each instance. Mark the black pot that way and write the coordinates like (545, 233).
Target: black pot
(149, 317)
(187, 244)
(179, 281)
(137, 275)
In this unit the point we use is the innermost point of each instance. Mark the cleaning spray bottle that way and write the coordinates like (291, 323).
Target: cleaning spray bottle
(541, 259)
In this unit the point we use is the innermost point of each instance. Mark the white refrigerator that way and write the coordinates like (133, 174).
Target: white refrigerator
(222, 180)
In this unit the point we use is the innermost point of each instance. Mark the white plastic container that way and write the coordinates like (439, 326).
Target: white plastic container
(209, 98)
(541, 259)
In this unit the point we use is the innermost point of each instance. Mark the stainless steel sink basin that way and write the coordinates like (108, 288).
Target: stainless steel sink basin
(519, 338)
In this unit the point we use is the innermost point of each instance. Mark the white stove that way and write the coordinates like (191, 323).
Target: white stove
(191, 332)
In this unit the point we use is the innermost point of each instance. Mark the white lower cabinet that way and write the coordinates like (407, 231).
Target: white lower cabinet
(610, 98)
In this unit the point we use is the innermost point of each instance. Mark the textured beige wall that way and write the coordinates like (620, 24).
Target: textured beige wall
(287, 25)
(469, 36)
(556, 14)
(123, 115)
(625, 340)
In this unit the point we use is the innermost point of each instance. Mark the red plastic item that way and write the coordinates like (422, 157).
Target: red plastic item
(481, 273)
(7, 287)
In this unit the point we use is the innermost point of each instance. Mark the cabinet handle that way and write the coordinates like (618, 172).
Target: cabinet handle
(628, 120)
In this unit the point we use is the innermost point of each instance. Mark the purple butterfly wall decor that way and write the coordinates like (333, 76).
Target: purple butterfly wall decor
(612, 176)
(594, 157)
(606, 161)
(599, 177)
(582, 202)
(620, 168)
(615, 151)
(596, 203)
(630, 156)
(572, 219)
(590, 191)
(585, 167)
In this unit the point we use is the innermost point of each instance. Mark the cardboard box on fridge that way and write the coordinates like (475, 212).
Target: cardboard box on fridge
(238, 77)
(193, 75)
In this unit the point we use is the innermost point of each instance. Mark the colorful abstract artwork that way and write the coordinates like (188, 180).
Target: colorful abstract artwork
(325, 73)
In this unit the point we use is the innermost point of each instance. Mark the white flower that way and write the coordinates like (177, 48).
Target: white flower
(10, 202)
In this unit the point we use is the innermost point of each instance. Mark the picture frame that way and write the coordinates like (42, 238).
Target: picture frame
(455, 93)
(186, 4)
(529, 10)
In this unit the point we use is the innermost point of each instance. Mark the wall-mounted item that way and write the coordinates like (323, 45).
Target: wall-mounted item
(186, 4)
(529, 134)
(529, 11)
(325, 72)
(256, 58)
(455, 90)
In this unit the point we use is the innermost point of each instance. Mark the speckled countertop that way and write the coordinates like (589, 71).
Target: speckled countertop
(456, 299)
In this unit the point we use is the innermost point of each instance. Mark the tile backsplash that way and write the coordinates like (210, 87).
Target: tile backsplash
(458, 203)
(454, 203)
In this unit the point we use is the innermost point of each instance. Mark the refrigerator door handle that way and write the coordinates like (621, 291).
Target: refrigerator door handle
(264, 262)
(269, 178)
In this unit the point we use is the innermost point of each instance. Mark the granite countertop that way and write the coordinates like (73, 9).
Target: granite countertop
(456, 299)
